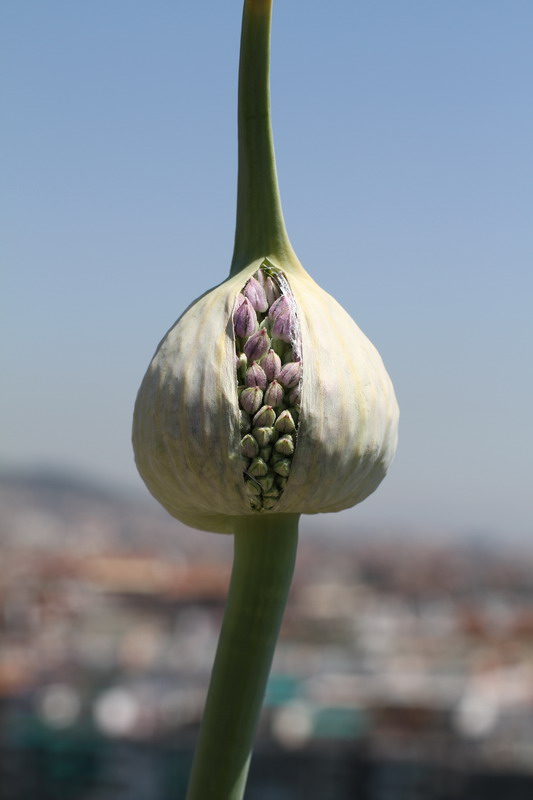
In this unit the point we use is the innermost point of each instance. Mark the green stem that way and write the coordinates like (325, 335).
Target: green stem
(260, 229)
(265, 552)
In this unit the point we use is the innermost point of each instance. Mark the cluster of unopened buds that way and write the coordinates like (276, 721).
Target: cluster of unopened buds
(269, 374)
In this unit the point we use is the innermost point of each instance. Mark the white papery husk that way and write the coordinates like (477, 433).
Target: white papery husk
(186, 433)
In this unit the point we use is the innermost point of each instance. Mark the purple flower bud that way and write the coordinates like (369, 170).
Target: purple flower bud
(257, 345)
(251, 399)
(256, 295)
(274, 394)
(271, 364)
(239, 300)
(255, 376)
(260, 277)
(244, 318)
(285, 423)
(278, 307)
(272, 291)
(283, 326)
(290, 374)
(264, 418)
(295, 396)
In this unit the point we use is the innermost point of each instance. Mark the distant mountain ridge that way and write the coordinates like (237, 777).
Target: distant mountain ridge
(49, 509)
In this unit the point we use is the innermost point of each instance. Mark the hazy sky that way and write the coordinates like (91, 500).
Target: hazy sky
(404, 135)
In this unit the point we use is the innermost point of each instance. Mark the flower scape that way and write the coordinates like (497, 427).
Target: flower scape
(264, 401)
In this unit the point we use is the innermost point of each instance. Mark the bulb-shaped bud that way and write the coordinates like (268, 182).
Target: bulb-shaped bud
(255, 376)
(285, 422)
(244, 317)
(264, 436)
(264, 418)
(272, 291)
(321, 428)
(265, 397)
(290, 374)
(251, 399)
(257, 345)
(274, 394)
(271, 365)
(249, 446)
(255, 293)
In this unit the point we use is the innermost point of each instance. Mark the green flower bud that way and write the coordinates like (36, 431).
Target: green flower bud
(266, 325)
(289, 355)
(273, 493)
(263, 435)
(285, 445)
(283, 467)
(278, 346)
(267, 482)
(252, 487)
(264, 418)
(285, 423)
(249, 446)
(265, 453)
(258, 468)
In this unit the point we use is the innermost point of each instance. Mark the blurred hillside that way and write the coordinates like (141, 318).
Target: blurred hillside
(50, 510)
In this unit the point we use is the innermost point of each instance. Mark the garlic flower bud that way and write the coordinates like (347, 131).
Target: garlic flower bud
(266, 357)
(329, 417)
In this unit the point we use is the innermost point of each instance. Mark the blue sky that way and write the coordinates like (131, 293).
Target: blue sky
(403, 134)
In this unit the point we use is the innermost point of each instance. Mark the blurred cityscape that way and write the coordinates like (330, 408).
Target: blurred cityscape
(404, 669)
